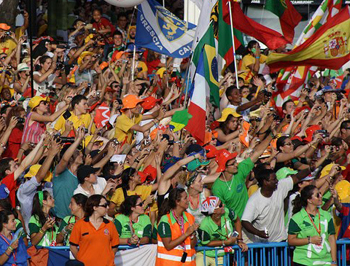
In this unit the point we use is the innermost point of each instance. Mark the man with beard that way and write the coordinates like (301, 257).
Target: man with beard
(263, 217)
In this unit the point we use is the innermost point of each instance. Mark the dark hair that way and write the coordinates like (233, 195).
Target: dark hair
(4, 217)
(300, 201)
(222, 125)
(230, 89)
(80, 199)
(125, 176)
(345, 124)
(250, 46)
(37, 210)
(264, 175)
(43, 59)
(77, 99)
(92, 201)
(76, 22)
(15, 111)
(284, 105)
(4, 166)
(280, 142)
(5, 204)
(128, 203)
(170, 203)
(117, 32)
(335, 141)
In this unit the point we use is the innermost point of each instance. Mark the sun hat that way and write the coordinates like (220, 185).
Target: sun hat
(149, 174)
(150, 102)
(4, 26)
(209, 204)
(226, 112)
(33, 171)
(325, 171)
(36, 100)
(83, 54)
(22, 67)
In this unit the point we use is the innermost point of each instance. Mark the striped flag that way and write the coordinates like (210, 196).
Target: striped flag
(197, 107)
(292, 80)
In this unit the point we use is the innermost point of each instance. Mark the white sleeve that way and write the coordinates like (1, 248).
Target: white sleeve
(249, 210)
(285, 185)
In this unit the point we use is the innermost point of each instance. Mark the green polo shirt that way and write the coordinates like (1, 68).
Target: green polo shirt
(301, 225)
(164, 226)
(237, 197)
(67, 220)
(50, 235)
(209, 231)
(142, 227)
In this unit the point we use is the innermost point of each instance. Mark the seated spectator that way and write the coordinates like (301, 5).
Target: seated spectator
(42, 226)
(221, 227)
(12, 251)
(76, 206)
(134, 227)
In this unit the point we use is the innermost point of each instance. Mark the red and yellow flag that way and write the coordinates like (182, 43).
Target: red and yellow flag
(329, 47)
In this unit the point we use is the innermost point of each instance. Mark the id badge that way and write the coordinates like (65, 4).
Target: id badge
(184, 257)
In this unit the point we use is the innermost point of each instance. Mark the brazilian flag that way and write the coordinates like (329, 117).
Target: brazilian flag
(179, 120)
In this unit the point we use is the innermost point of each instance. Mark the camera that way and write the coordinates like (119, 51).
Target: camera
(20, 120)
(8, 33)
(67, 139)
(59, 66)
(92, 31)
(324, 133)
(267, 93)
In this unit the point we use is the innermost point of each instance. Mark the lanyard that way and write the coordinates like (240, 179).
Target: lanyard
(181, 223)
(226, 236)
(319, 222)
(14, 252)
(131, 227)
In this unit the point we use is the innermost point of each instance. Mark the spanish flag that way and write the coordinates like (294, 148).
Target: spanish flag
(329, 47)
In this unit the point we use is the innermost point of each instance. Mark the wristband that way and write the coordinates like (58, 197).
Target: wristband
(10, 248)
(333, 262)
(309, 239)
(42, 231)
(7, 254)
(314, 147)
(223, 242)
(257, 57)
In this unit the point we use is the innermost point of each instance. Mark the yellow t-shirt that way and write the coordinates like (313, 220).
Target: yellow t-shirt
(252, 189)
(123, 127)
(7, 46)
(143, 191)
(247, 61)
(84, 119)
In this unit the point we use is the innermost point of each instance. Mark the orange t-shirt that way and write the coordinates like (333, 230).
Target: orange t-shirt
(95, 246)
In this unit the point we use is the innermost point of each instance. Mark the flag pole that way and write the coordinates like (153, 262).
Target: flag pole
(133, 63)
(233, 43)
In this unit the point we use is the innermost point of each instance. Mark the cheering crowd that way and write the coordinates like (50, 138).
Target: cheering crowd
(91, 159)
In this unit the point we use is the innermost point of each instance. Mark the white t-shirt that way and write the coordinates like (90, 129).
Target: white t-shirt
(43, 87)
(268, 213)
(98, 187)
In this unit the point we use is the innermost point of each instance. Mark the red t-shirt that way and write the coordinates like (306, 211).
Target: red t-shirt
(14, 143)
(11, 184)
(103, 24)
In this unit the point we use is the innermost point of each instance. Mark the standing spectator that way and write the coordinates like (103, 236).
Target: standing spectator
(263, 216)
(94, 239)
(176, 227)
(311, 231)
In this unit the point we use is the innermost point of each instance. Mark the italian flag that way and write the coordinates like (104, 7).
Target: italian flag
(287, 14)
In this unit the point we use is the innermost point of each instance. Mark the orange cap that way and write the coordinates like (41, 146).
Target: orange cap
(4, 26)
(130, 101)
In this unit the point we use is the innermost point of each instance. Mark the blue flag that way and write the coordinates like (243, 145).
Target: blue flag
(161, 31)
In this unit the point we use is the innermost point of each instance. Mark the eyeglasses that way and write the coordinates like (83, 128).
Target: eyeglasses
(103, 205)
(219, 206)
(140, 204)
(2, 58)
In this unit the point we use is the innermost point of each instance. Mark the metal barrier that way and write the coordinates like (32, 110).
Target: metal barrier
(258, 254)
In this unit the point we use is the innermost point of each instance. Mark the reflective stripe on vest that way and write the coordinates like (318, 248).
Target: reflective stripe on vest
(175, 258)
(179, 247)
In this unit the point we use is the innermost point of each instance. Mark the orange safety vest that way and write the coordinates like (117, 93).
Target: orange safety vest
(173, 257)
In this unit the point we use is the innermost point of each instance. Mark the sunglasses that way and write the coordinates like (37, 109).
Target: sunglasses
(318, 195)
(219, 206)
(116, 85)
(140, 204)
(104, 205)
(2, 58)
(45, 103)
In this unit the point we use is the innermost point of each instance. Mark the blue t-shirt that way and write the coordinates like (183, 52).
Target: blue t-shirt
(63, 189)
(20, 253)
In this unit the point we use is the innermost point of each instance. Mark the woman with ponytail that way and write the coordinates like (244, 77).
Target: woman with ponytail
(42, 226)
(311, 230)
(176, 231)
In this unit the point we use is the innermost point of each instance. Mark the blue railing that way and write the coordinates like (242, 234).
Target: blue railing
(262, 254)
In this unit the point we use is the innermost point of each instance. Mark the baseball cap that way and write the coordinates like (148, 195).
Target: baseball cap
(130, 101)
(85, 171)
(4, 26)
(117, 55)
(149, 102)
(4, 191)
(36, 100)
(226, 112)
(343, 190)
(222, 158)
(149, 174)
(196, 163)
(211, 151)
(209, 204)
(284, 172)
(193, 149)
(33, 171)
